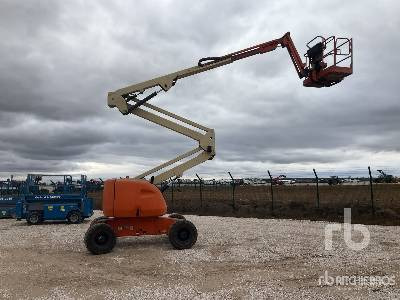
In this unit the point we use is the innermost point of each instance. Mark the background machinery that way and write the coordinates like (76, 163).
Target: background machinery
(278, 180)
(66, 200)
(384, 178)
(95, 185)
(9, 193)
(335, 180)
(7, 206)
(134, 207)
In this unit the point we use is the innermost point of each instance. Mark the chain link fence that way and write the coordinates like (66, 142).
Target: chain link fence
(256, 200)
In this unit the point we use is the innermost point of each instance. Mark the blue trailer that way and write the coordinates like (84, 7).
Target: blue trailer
(66, 200)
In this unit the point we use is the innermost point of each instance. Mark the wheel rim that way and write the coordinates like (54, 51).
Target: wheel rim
(101, 239)
(34, 218)
(74, 218)
(183, 235)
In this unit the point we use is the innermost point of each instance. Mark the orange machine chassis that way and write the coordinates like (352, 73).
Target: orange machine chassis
(139, 226)
(135, 207)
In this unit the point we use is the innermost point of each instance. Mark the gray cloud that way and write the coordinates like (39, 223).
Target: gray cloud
(59, 60)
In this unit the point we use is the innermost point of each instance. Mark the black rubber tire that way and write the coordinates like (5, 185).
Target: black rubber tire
(177, 216)
(182, 234)
(98, 220)
(100, 239)
(74, 217)
(34, 218)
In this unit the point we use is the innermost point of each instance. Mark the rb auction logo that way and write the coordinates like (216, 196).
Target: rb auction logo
(356, 246)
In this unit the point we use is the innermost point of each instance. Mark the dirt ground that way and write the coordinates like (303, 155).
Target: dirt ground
(234, 258)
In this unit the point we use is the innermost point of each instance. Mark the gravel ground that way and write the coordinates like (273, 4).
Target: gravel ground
(234, 258)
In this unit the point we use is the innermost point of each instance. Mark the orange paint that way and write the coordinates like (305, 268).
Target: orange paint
(140, 226)
(127, 198)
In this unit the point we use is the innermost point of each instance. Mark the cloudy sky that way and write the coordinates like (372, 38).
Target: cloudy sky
(59, 59)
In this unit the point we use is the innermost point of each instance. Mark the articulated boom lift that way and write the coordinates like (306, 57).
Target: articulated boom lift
(135, 207)
(315, 71)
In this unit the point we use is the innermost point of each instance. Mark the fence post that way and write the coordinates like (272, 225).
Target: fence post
(172, 196)
(317, 179)
(371, 190)
(272, 191)
(201, 191)
(214, 195)
(233, 191)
